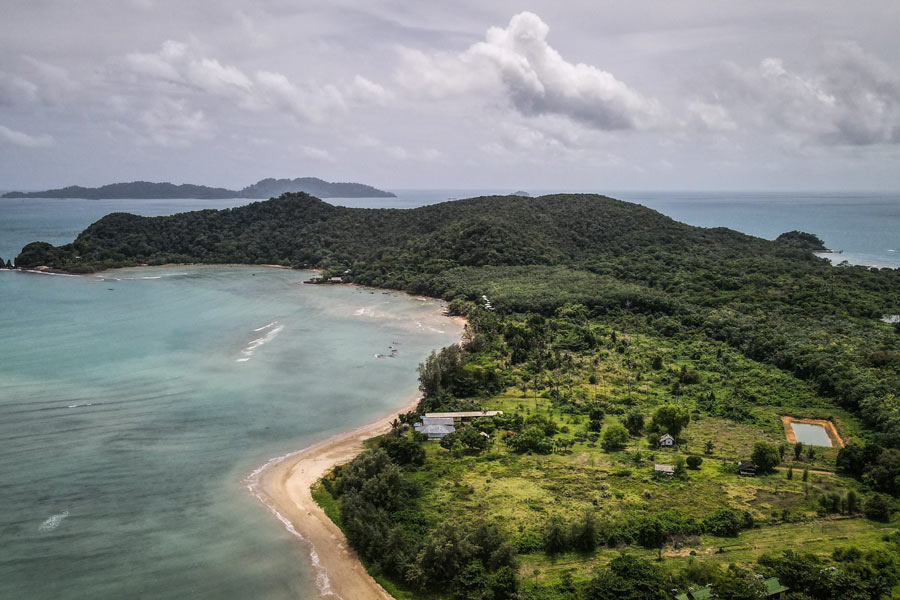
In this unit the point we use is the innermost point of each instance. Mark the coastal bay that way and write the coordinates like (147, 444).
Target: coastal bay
(126, 440)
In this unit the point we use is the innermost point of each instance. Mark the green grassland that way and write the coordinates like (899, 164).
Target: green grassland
(733, 401)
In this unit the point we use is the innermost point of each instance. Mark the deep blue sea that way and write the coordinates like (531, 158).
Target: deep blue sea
(134, 403)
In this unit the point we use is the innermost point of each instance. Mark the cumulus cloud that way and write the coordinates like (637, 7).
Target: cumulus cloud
(851, 98)
(18, 138)
(366, 90)
(174, 123)
(36, 81)
(517, 63)
(313, 153)
(710, 116)
(177, 64)
(15, 89)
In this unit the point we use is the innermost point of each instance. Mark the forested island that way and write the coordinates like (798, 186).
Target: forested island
(265, 188)
(642, 367)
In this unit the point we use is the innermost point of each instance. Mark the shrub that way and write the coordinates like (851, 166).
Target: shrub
(878, 508)
(614, 438)
(694, 462)
(765, 456)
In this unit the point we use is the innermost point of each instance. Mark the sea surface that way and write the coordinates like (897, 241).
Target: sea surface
(134, 403)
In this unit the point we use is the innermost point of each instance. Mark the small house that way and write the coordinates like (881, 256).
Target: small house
(667, 440)
(435, 428)
(774, 589)
(696, 594)
(664, 470)
(463, 415)
(747, 468)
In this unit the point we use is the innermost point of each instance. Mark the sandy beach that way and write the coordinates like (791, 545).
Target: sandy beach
(283, 485)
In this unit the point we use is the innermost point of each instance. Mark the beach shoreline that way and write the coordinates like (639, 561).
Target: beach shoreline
(284, 486)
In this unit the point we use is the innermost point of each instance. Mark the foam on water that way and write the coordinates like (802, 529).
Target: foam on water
(265, 326)
(323, 584)
(273, 330)
(53, 522)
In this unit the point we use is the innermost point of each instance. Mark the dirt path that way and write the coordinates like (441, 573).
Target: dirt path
(800, 470)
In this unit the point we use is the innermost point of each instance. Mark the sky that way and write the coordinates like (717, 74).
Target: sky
(583, 94)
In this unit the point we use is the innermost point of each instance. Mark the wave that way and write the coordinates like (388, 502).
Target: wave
(155, 277)
(53, 522)
(80, 405)
(323, 584)
(48, 273)
(368, 311)
(248, 351)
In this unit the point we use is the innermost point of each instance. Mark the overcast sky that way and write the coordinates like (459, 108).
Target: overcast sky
(467, 94)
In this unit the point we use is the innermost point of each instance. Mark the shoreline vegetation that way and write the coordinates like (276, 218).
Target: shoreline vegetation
(284, 486)
(642, 367)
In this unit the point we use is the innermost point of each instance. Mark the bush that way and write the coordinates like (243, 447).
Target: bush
(634, 422)
(670, 419)
(725, 522)
(694, 462)
(766, 457)
(614, 438)
(878, 508)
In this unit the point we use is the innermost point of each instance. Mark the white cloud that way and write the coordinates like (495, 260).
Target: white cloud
(15, 89)
(41, 82)
(367, 91)
(173, 123)
(315, 153)
(176, 63)
(518, 64)
(18, 138)
(852, 98)
(710, 116)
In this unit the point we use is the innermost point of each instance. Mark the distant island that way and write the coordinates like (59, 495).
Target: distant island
(263, 189)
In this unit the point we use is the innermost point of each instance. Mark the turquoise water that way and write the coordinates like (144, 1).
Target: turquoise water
(814, 435)
(134, 404)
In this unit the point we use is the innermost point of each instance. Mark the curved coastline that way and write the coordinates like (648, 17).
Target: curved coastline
(283, 485)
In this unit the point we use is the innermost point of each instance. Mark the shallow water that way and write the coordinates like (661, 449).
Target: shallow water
(814, 435)
(135, 403)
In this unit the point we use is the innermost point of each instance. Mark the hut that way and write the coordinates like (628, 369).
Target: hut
(435, 428)
(664, 470)
(667, 440)
(463, 415)
(747, 468)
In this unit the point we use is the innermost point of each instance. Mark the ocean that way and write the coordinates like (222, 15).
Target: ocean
(134, 403)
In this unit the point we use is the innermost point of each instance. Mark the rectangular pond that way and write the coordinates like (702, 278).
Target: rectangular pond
(814, 435)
